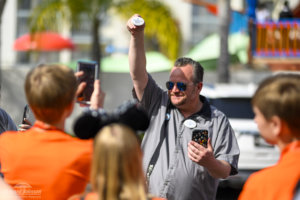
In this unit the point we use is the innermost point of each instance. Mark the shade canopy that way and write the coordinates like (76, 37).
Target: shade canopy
(156, 62)
(42, 41)
(208, 50)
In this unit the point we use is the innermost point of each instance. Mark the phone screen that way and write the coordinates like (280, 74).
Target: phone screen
(201, 137)
(90, 70)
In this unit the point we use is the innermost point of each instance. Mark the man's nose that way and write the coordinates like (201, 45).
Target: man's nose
(175, 88)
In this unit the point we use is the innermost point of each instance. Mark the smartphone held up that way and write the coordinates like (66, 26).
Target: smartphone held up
(201, 137)
(90, 74)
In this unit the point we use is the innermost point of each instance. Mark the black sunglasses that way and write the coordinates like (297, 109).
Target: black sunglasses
(180, 85)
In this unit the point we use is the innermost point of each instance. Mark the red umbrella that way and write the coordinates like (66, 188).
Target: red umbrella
(42, 41)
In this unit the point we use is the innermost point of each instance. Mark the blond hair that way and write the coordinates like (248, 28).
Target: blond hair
(49, 89)
(117, 165)
(279, 95)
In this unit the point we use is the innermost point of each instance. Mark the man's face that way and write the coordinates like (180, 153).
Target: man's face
(182, 98)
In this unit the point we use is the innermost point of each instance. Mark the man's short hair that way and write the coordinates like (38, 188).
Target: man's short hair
(198, 69)
(49, 90)
(279, 95)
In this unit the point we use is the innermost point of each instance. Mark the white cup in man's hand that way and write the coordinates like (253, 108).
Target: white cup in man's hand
(137, 21)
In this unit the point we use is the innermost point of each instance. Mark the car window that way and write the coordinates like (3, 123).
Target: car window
(234, 107)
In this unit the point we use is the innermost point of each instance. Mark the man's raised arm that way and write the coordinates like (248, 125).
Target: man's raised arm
(137, 57)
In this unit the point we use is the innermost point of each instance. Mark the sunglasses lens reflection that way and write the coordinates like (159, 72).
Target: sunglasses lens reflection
(169, 85)
(181, 86)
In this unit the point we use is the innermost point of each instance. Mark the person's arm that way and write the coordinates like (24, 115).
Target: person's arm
(205, 157)
(25, 126)
(137, 58)
(98, 96)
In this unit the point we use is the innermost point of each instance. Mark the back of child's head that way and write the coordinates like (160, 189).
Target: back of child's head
(279, 95)
(117, 164)
(49, 90)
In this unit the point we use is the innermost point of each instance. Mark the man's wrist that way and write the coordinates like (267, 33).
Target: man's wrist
(138, 35)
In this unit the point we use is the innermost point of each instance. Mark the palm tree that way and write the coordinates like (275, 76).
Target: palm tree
(50, 13)
(223, 10)
(57, 14)
(2, 4)
(161, 26)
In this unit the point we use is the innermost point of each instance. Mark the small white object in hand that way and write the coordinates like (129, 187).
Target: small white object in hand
(137, 21)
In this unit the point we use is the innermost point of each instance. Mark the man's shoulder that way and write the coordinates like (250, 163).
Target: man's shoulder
(210, 111)
(216, 112)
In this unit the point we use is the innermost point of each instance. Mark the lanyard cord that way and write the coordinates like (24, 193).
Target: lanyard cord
(163, 131)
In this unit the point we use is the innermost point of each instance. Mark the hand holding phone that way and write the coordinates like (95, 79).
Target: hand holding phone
(25, 122)
(200, 136)
(25, 114)
(90, 74)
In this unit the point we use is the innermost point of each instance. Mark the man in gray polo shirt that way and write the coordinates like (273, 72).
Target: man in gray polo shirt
(176, 167)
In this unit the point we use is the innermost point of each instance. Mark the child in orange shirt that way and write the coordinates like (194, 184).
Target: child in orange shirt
(44, 162)
(276, 105)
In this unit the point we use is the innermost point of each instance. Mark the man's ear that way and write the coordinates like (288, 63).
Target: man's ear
(199, 86)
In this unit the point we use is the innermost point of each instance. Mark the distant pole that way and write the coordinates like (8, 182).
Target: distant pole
(2, 4)
(224, 20)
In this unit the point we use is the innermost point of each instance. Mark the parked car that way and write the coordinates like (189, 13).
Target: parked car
(234, 100)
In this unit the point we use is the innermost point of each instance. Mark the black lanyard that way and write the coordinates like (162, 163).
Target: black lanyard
(163, 132)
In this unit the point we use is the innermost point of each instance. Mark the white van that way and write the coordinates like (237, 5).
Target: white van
(234, 100)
